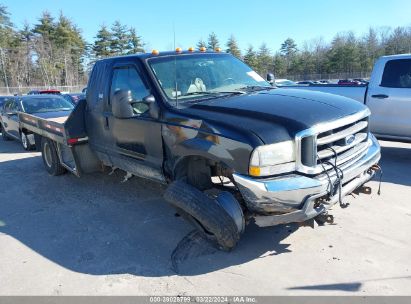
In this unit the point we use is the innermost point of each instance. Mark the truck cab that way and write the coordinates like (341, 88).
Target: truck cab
(231, 148)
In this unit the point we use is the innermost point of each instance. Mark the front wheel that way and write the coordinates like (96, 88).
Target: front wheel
(207, 215)
(25, 142)
(4, 134)
(50, 157)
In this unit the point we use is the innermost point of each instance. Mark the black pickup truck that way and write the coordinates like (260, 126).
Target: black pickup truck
(231, 148)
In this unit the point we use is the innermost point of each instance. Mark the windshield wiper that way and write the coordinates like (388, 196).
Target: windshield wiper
(216, 93)
(256, 88)
(198, 93)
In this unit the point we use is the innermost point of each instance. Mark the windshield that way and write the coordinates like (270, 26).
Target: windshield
(197, 76)
(51, 104)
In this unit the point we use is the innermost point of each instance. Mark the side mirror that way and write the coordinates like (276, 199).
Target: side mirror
(154, 111)
(121, 104)
(270, 78)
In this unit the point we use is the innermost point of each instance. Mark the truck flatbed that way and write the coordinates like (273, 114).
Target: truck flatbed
(66, 130)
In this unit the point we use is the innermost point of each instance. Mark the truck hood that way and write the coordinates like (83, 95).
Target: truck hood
(276, 115)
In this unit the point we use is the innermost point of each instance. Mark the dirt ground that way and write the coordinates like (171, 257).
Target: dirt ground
(95, 235)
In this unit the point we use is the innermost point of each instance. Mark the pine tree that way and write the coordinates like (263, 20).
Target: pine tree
(134, 41)
(280, 66)
(232, 47)
(288, 47)
(213, 42)
(102, 43)
(264, 60)
(250, 58)
(120, 39)
(288, 50)
(5, 18)
(63, 34)
(6, 27)
(46, 26)
(200, 44)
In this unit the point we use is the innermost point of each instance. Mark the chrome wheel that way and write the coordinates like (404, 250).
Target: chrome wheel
(47, 154)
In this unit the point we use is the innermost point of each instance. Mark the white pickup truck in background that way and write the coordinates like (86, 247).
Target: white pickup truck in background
(388, 95)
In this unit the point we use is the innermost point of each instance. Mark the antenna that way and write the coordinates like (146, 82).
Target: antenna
(175, 66)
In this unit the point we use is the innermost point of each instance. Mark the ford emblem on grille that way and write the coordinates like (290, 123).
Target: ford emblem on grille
(349, 139)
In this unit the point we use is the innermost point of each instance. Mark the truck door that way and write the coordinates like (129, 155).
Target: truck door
(137, 140)
(390, 101)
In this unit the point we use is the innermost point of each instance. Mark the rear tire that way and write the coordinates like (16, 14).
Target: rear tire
(50, 157)
(212, 220)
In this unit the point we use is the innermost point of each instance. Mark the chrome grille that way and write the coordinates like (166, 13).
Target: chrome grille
(345, 139)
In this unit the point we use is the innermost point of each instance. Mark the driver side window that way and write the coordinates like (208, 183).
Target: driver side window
(128, 79)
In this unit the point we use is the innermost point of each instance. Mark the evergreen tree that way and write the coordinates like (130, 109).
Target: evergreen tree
(232, 47)
(200, 44)
(5, 18)
(344, 54)
(288, 50)
(264, 60)
(288, 47)
(119, 39)
(213, 42)
(46, 27)
(250, 58)
(63, 32)
(134, 41)
(279, 65)
(102, 43)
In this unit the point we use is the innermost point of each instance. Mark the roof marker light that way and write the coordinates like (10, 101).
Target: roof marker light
(218, 50)
(178, 50)
(203, 49)
(155, 52)
(191, 49)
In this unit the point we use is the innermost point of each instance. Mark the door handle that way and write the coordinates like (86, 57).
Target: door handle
(380, 96)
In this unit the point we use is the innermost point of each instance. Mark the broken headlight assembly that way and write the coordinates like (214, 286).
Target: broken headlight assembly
(273, 159)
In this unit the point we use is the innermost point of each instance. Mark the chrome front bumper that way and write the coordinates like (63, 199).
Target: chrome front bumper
(293, 197)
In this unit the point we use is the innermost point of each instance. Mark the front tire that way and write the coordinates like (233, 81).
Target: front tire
(25, 142)
(50, 158)
(4, 134)
(208, 216)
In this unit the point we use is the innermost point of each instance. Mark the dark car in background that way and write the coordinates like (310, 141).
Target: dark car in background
(50, 106)
(348, 82)
(38, 92)
(305, 82)
(73, 97)
(3, 99)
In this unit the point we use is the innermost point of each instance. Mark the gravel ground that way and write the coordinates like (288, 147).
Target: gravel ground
(95, 235)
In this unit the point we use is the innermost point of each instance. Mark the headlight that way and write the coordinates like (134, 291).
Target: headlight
(273, 159)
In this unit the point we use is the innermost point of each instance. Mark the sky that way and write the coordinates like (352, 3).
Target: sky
(251, 21)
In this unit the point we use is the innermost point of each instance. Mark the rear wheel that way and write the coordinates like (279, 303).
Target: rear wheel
(50, 157)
